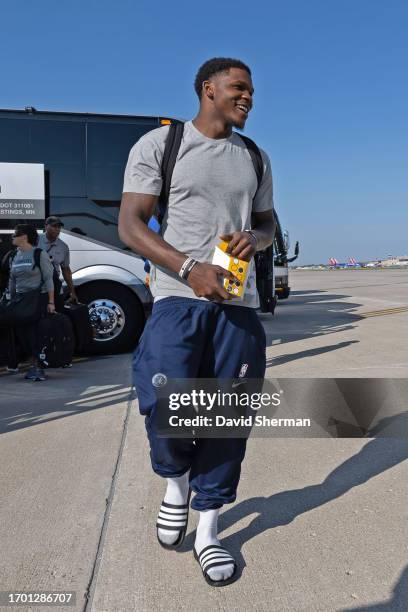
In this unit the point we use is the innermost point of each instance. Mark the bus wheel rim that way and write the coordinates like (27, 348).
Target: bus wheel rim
(107, 319)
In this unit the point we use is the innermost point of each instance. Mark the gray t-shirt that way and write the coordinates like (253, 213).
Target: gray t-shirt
(22, 276)
(212, 193)
(58, 251)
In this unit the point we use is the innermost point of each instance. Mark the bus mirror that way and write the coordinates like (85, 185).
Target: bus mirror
(291, 259)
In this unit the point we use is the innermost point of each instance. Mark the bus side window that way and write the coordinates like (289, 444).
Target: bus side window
(107, 154)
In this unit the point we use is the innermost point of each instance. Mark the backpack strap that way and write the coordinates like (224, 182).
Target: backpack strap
(171, 150)
(256, 157)
(37, 258)
(263, 259)
(37, 262)
(7, 260)
(5, 269)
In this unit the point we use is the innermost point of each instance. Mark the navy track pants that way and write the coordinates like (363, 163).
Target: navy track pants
(189, 338)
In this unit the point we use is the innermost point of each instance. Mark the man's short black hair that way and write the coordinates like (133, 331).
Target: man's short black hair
(214, 66)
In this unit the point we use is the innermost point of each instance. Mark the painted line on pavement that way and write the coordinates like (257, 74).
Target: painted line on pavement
(386, 311)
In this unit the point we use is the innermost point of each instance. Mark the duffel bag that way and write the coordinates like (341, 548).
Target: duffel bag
(21, 309)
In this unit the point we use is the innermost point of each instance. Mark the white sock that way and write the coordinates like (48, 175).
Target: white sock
(207, 531)
(176, 493)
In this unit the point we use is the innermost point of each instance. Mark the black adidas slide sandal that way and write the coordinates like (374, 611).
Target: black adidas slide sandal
(173, 517)
(214, 556)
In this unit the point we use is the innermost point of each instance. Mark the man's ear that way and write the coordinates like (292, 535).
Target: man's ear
(208, 89)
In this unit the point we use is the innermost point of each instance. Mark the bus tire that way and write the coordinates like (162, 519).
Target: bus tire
(116, 315)
(284, 294)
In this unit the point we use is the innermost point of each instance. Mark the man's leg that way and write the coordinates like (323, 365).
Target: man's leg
(238, 342)
(172, 344)
(238, 347)
(59, 303)
(58, 296)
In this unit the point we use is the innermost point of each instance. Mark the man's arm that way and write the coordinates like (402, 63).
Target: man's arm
(244, 244)
(67, 275)
(135, 212)
(264, 228)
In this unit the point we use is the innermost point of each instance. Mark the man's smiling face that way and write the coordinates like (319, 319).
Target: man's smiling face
(231, 93)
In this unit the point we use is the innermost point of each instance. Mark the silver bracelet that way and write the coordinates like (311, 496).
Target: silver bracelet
(252, 233)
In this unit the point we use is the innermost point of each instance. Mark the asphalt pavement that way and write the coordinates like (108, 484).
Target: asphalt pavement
(341, 323)
(319, 524)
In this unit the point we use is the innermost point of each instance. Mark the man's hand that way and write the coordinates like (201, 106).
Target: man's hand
(67, 274)
(240, 244)
(51, 308)
(73, 298)
(204, 279)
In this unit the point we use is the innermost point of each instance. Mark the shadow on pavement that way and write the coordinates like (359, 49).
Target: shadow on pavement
(304, 292)
(96, 383)
(282, 508)
(281, 359)
(308, 315)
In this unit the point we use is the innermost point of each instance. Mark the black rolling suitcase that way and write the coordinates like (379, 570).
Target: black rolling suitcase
(55, 340)
(79, 317)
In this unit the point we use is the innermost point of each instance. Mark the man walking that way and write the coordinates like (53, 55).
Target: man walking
(196, 330)
(58, 252)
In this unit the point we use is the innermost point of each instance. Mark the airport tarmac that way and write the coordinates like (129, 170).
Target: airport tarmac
(340, 323)
(319, 525)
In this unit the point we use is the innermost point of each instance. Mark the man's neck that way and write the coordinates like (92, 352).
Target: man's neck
(212, 127)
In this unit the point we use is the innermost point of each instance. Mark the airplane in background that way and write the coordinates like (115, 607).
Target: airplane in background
(352, 263)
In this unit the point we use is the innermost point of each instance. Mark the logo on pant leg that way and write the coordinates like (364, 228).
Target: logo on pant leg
(159, 380)
(243, 370)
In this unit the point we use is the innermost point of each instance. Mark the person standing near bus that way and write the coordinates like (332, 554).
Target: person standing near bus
(25, 276)
(58, 252)
(196, 330)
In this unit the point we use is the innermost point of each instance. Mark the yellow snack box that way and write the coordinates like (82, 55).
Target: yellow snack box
(238, 267)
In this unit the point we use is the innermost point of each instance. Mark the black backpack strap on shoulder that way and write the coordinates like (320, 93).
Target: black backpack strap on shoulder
(37, 261)
(37, 258)
(7, 260)
(263, 259)
(256, 157)
(171, 150)
(11, 258)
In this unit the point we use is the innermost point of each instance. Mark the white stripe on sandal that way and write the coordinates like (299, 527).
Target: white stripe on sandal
(173, 517)
(215, 555)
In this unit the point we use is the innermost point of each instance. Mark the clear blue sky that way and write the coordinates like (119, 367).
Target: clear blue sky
(330, 105)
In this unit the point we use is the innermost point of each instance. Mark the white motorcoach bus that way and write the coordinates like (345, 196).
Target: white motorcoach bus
(81, 158)
(281, 262)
